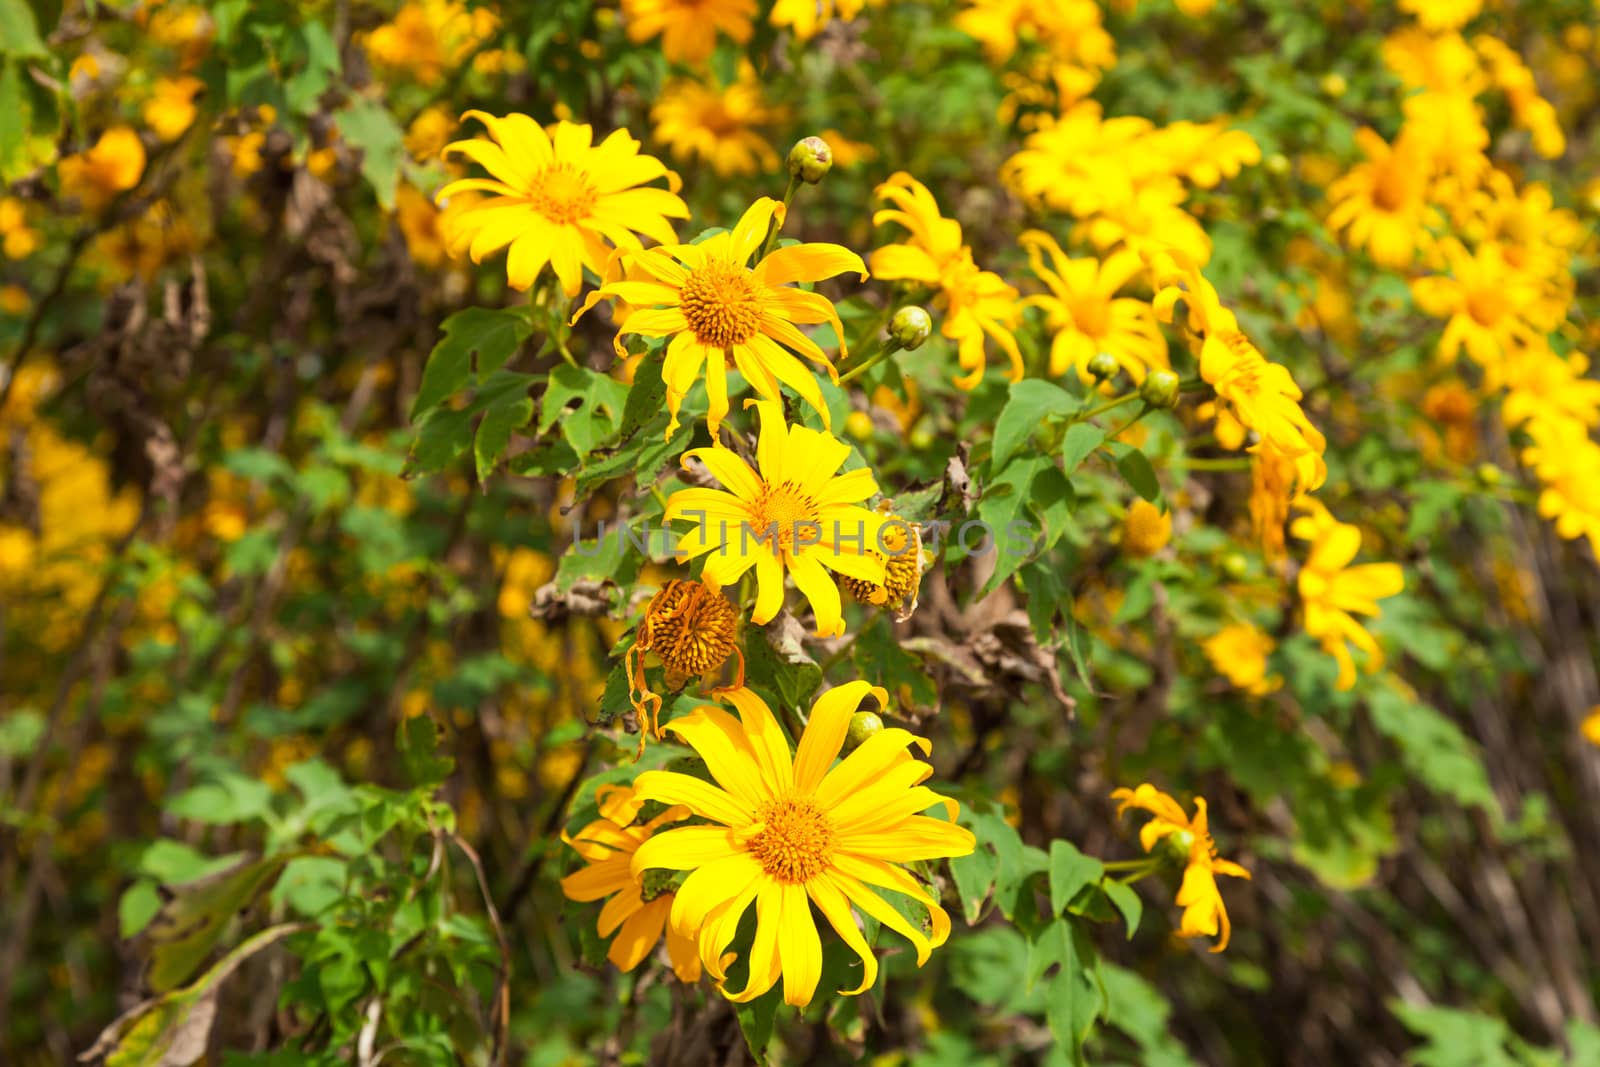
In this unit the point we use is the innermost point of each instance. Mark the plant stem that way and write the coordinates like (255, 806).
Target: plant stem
(890, 347)
(772, 229)
(1120, 430)
(1108, 405)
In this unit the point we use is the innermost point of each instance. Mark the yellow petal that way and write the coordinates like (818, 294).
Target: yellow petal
(825, 731)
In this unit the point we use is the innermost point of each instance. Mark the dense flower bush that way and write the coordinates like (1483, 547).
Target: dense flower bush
(799, 531)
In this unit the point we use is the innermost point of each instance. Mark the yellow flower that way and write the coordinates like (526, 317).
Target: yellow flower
(717, 125)
(1535, 237)
(1146, 529)
(171, 108)
(807, 17)
(688, 28)
(975, 302)
(14, 300)
(420, 225)
(788, 832)
(901, 553)
(430, 37)
(1567, 463)
(558, 200)
(429, 133)
(1070, 29)
(1203, 912)
(797, 516)
(1441, 62)
(1239, 653)
(720, 312)
(1541, 385)
(1448, 129)
(638, 910)
(1275, 484)
(692, 629)
(1591, 726)
(1440, 15)
(1087, 316)
(114, 165)
(1332, 592)
(1260, 395)
(17, 239)
(1492, 309)
(847, 153)
(1381, 205)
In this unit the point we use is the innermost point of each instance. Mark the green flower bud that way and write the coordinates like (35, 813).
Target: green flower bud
(863, 725)
(910, 327)
(1103, 366)
(1489, 475)
(1278, 163)
(810, 159)
(1160, 389)
(1177, 845)
(1235, 566)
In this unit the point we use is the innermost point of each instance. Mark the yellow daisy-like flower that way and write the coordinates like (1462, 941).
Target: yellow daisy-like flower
(1492, 308)
(1567, 463)
(639, 906)
(430, 37)
(796, 517)
(718, 125)
(1333, 592)
(558, 200)
(1382, 204)
(1591, 726)
(792, 832)
(1086, 314)
(688, 28)
(1203, 912)
(113, 165)
(1259, 394)
(976, 303)
(1071, 29)
(18, 240)
(721, 312)
(1239, 653)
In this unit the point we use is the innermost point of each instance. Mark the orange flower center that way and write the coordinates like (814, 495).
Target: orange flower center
(788, 508)
(1391, 186)
(562, 193)
(794, 840)
(722, 303)
(690, 628)
(1485, 306)
(1091, 314)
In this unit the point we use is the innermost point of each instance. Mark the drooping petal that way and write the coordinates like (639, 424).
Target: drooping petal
(808, 263)
(639, 934)
(858, 770)
(799, 947)
(685, 848)
(835, 907)
(765, 962)
(819, 588)
(710, 887)
(702, 798)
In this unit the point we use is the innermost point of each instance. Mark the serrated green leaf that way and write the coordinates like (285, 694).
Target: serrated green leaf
(1031, 401)
(494, 432)
(492, 335)
(371, 127)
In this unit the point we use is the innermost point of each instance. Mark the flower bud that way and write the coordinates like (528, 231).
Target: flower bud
(863, 725)
(1278, 164)
(910, 327)
(1178, 843)
(1334, 85)
(1489, 475)
(858, 425)
(810, 159)
(1160, 389)
(1235, 565)
(1102, 366)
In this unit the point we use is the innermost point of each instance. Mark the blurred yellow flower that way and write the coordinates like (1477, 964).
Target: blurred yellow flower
(1146, 529)
(975, 302)
(17, 239)
(429, 37)
(171, 107)
(639, 904)
(718, 126)
(429, 132)
(1086, 315)
(1381, 205)
(794, 515)
(1204, 914)
(1591, 726)
(1567, 463)
(558, 200)
(1239, 653)
(1332, 592)
(1070, 29)
(1492, 309)
(1440, 15)
(113, 165)
(806, 17)
(688, 28)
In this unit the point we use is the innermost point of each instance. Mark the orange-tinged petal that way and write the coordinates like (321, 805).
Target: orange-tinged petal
(808, 263)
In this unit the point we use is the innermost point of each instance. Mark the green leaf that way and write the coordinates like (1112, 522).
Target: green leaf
(1070, 871)
(1073, 995)
(494, 432)
(779, 661)
(588, 405)
(371, 127)
(645, 397)
(1032, 400)
(191, 923)
(1135, 467)
(756, 1022)
(493, 335)
(1000, 509)
(19, 31)
(1138, 1009)
(231, 798)
(139, 904)
(442, 437)
(1079, 444)
(29, 119)
(1433, 748)
(974, 875)
(1126, 901)
(419, 750)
